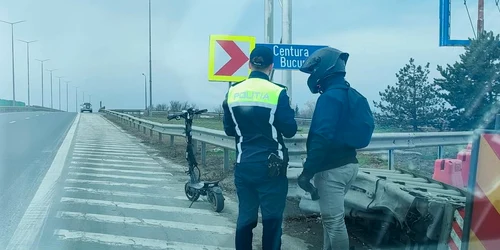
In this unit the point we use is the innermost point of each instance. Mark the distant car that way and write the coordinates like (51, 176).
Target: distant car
(86, 107)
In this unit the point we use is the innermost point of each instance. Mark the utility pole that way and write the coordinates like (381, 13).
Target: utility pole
(41, 61)
(60, 90)
(150, 70)
(287, 39)
(480, 17)
(28, 67)
(145, 93)
(268, 26)
(67, 96)
(51, 93)
(13, 71)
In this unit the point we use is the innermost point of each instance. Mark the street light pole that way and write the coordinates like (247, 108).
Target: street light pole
(150, 70)
(41, 61)
(67, 96)
(60, 90)
(145, 93)
(51, 99)
(28, 66)
(13, 74)
(76, 100)
(83, 96)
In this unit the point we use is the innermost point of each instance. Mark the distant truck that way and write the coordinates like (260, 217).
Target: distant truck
(86, 107)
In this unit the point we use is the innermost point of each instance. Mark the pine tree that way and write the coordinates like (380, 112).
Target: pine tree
(471, 85)
(412, 103)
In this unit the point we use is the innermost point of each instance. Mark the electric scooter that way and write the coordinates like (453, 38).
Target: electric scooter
(195, 187)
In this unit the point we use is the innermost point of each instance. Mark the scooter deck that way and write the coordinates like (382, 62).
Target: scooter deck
(203, 184)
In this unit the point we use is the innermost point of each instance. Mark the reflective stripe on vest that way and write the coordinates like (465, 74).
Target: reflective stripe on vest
(255, 92)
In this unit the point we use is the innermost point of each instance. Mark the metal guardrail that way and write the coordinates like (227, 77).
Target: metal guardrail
(26, 109)
(297, 144)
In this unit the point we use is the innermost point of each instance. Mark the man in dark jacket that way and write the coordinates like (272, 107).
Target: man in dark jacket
(257, 113)
(330, 161)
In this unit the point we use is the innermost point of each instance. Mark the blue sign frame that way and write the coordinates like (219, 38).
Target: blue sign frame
(290, 56)
(444, 26)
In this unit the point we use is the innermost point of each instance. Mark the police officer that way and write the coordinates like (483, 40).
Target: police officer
(330, 161)
(257, 113)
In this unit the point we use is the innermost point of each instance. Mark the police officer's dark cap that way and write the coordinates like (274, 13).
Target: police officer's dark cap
(261, 56)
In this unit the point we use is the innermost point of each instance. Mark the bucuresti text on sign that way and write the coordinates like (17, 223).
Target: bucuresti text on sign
(290, 56)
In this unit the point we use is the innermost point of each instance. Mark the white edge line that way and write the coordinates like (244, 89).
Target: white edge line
(34, 217)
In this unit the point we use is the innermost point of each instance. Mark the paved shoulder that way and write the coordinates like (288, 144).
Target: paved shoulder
(115, 195)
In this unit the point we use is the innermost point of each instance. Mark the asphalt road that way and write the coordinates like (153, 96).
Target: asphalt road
(28, 144)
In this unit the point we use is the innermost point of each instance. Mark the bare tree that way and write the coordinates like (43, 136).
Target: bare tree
(308, 110)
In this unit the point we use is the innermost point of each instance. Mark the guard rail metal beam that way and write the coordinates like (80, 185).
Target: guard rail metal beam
(297, 144)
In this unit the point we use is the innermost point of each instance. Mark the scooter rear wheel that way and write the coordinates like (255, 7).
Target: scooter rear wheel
(217, 201)
(191, 194)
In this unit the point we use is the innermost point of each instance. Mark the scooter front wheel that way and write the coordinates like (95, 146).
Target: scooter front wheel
(217, 201)
(191, 194)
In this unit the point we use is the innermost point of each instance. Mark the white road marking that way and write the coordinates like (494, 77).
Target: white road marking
(124, 156)
(145, 222)
(27, 118)
(114, 170)
(106, 153)
(117, 176)
(99, 145)
(151, 162)
(137, 206)
(12, 122)
(120, 184)
(34, 217)
(110, 150)
(119, 193)
(98, 164)
(129, 242)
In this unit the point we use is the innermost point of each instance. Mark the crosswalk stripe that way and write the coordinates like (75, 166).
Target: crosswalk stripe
(152, 162)
(114, 170)
(114, 165)
(124, 156)
(126, 241)
(136, 206)
(144, 222)
(129, 194)
(119, 184)
(99, 152)
(118, 193)
(117, 176)
(110, 150)
(97, 145)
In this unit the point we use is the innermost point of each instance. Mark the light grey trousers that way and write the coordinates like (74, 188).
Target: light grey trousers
(332, 187)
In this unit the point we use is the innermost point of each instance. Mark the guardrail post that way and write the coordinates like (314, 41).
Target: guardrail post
(144, 130)
(226, 160)
(160, 136)
(151, 133)
(171, 140)
(203, 153)
(390, 159)
(195, 146)
(440, 152)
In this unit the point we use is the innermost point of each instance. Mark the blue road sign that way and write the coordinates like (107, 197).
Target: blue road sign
(290, 56)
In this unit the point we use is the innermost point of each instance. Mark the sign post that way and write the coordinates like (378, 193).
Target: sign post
(482, 211)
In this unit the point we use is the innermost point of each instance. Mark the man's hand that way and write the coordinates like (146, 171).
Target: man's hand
(304, 182)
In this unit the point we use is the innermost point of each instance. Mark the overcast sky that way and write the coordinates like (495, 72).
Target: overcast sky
(101, 46)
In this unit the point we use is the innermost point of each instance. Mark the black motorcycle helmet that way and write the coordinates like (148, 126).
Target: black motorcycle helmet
(322, 64)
